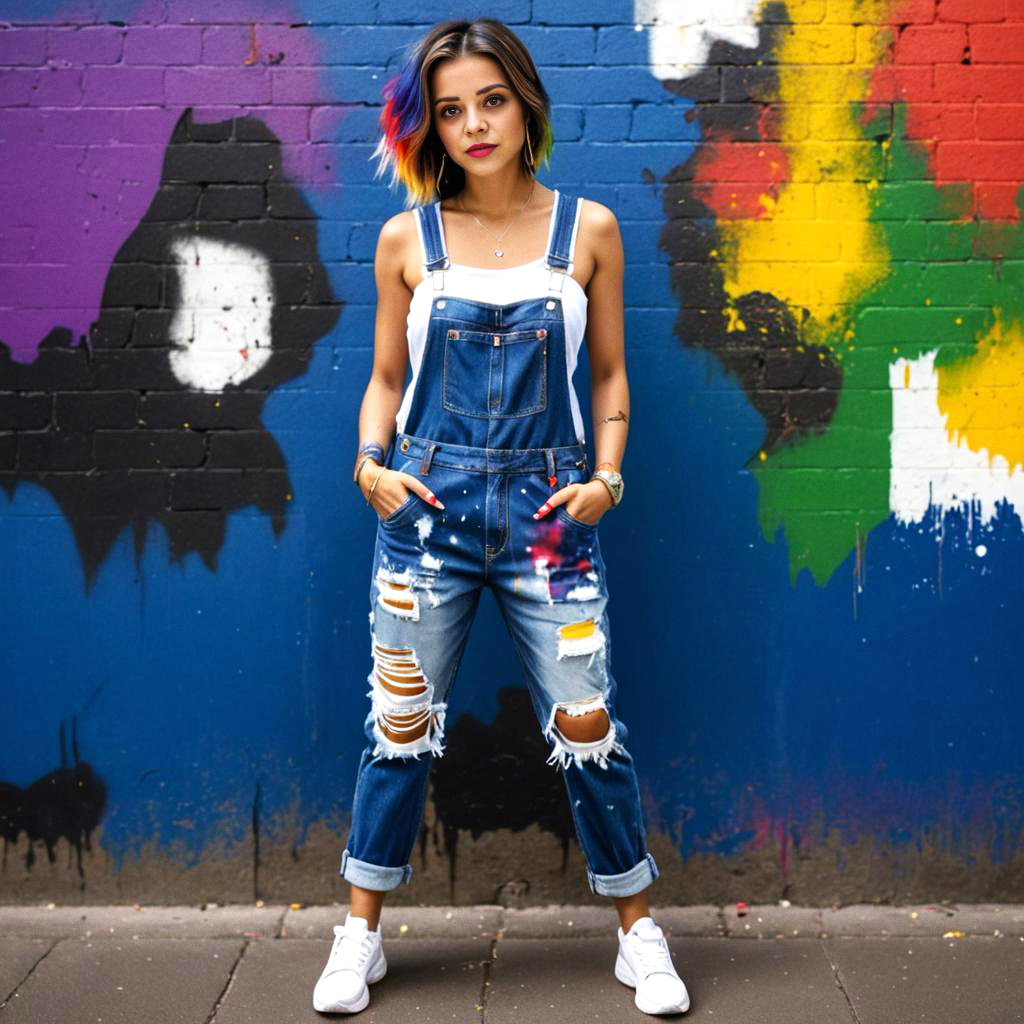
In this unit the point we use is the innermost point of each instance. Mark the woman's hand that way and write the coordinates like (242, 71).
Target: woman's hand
(586, 502)
(393, 489)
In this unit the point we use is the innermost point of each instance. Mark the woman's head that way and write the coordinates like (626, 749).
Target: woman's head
(464, 82)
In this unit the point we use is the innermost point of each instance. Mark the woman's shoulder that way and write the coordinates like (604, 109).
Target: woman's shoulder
(595, 214)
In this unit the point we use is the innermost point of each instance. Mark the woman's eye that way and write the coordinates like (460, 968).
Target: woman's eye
(493, 96)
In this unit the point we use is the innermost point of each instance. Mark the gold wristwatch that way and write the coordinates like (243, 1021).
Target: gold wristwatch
(612, 479)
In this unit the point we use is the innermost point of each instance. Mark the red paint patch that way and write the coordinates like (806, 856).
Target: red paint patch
(730, 175)
(958, 67)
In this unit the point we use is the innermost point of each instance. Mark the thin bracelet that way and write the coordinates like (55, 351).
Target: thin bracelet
(371, 448)
(369, 494)
(359, 468)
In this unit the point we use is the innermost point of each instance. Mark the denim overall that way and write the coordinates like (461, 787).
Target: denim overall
(490, 431)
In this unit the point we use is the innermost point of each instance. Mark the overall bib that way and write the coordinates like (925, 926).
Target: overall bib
(490, 430)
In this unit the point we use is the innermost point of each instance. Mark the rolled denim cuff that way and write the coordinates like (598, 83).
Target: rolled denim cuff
(630, 882)
(373, 876)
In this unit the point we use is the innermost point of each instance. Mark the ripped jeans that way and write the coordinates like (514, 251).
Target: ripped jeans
(549, 580)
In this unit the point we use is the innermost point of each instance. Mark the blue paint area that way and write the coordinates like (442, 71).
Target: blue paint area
(751, 703)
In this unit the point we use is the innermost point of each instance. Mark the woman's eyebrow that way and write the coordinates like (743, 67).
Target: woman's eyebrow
(486, 88)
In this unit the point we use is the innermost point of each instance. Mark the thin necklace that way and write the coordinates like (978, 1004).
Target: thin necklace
(499, 252)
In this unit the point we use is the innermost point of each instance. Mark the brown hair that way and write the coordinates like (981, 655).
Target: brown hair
(409, 143)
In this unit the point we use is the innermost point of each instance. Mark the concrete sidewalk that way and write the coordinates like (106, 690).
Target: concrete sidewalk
(787, 965)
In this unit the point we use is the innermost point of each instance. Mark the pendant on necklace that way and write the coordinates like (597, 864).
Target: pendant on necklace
(498, 252)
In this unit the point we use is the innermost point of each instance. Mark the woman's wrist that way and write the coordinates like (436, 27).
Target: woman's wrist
(360, 470)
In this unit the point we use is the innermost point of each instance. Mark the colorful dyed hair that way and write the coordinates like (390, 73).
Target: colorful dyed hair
(410, 147)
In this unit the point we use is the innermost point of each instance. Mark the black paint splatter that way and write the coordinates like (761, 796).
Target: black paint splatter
(495, 776)
(795, 391)
(67, 803)
(103, 424)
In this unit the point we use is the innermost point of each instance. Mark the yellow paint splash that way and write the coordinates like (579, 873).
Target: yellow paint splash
(814, 247)
(982, 396)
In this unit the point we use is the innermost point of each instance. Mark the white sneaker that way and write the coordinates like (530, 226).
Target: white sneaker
(645, 963)
(356, 961)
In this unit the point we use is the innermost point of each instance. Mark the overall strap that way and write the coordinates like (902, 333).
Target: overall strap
(562, 245)
(431, 232)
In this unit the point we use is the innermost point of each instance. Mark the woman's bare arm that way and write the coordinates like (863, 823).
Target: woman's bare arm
(609, 387)
(383, 394)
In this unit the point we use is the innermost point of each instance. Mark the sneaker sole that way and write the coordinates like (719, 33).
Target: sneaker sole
(624, 973)
(376, 973)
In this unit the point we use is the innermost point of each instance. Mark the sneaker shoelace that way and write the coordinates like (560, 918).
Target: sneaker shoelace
(652, 951)
(342, 952)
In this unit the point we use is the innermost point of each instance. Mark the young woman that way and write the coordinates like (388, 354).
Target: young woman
(478, 475)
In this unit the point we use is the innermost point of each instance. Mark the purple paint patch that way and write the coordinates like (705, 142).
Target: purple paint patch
(76, 182)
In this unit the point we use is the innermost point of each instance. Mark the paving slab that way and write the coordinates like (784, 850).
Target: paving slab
(17, 958)
(901, 980)
(572, 982)
(124, 921)
(159, 981)
(770, 921)
(869, 919)
(395, 922)
(429, 981)
(560, 922)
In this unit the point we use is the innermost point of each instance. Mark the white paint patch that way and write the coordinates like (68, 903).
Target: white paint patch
(585, 591)
(543, 570)
(423, 526)
(930, 470)
(680, 35)
(221, 328)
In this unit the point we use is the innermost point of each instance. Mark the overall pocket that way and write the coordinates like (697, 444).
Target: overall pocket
(575, 476)
(402, 466)
(497, 375)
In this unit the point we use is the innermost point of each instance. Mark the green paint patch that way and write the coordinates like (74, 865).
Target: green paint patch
(947, 275)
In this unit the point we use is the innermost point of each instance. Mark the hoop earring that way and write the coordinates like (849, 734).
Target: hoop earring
(439, 173)
(530, 150)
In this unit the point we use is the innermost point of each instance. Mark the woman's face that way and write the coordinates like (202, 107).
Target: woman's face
(475, 104)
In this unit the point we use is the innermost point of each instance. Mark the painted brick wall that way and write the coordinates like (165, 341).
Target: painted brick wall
(814, 576)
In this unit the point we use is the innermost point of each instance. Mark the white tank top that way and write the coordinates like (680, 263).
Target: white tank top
(501, 286)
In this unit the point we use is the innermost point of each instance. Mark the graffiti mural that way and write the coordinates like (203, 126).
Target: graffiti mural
(813, 581)
(847, 241)
(212, 301)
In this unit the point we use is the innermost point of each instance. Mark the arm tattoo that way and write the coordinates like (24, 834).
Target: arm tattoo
(620, 416)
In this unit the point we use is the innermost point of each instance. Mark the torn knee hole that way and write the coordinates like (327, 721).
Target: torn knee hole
(404, 728)
(407, 720)
(580, 731)
(583, 728)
